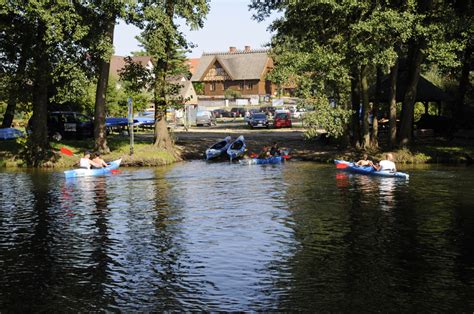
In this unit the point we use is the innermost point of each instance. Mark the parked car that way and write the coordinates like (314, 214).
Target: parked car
(258, 120)
(68, 124)
(297, 113)
(282, 120)
(221, 113)
(10, 134)
(205, 117)
(237, 112)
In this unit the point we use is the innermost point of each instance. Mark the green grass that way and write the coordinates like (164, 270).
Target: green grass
(442, 152)
(9, 154)
(144, 153)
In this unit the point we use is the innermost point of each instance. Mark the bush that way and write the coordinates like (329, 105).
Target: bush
(325, 118)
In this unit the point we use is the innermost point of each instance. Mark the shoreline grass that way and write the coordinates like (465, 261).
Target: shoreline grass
(145, 154)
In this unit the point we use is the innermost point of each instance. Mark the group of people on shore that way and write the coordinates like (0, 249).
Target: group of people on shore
(386, 164)
(94, 163)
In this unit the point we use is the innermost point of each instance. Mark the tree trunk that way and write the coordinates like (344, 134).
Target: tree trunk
(393, 105)
(355, 99)
(11, 107)
(463, 84)
(365, 107)
(375, 122)
(162, 138)
(406, 123)
(39, 144)
(100, 131)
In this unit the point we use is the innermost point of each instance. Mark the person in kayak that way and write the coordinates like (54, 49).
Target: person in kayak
(387, 164)
(99, 162)
(264, 154)
(274, 150)
(86, 162)
(364, 161)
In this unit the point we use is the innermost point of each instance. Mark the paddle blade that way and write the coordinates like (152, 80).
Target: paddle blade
(286, 157)
(115, 171)
(66, 151)
(342, 166)
(253, 155)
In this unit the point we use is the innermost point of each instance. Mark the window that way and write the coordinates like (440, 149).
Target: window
(241, 85)
(249, 85)
(212, 86)
(82, 118)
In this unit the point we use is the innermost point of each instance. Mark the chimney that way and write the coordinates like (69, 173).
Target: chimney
(247, 49)
(232, 49)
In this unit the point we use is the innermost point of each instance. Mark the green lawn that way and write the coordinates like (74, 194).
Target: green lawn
(144, 153)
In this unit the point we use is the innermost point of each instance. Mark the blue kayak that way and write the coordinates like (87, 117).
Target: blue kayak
(263, 161)
(237, 148)
(218, 149)
(368, 170)
(82, 172)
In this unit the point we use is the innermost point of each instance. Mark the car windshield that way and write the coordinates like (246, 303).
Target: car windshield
(259, 116)
(202, 113)
(281, 115)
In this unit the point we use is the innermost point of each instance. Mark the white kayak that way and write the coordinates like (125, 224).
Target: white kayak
(82, 172)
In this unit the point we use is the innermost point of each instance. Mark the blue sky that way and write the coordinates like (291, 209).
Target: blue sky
(229, 23)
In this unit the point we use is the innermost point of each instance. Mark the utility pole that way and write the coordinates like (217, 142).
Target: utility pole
(130, 123)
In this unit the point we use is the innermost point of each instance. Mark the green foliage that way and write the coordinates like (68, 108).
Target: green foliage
(325, 118)
(118, 93)
(232, 94)
(166, 45)
(199, 88)
(404, 155)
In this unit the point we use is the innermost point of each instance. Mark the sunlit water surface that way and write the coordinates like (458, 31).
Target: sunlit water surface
(203, 236)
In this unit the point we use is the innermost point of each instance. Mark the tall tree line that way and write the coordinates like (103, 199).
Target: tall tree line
(340, 48)
(50, 49)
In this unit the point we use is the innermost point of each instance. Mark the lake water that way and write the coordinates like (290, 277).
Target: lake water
(202, 236)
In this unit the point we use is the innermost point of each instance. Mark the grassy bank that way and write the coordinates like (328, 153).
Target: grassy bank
(418, 154)
(144, 153)
(193, 144)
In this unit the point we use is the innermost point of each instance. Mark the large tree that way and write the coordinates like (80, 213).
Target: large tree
(163, 41)
(48, 33)
(366, 35)
(103, 16)
(352, 37)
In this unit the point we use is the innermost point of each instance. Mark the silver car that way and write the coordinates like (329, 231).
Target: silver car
(204, 117)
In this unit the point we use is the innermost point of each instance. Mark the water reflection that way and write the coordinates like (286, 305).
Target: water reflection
(222, 237)
(369, 246)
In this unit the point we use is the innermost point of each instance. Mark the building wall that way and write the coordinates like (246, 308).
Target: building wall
(248, 87)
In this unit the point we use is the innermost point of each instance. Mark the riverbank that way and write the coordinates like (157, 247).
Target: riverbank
(191, 145)
(66, 154)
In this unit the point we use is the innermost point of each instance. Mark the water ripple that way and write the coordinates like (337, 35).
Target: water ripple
(224, 237)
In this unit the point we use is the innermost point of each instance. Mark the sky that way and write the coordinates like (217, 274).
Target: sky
(228, 23)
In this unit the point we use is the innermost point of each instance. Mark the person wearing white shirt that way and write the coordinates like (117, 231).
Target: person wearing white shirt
(387, 164)
(86, 162)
